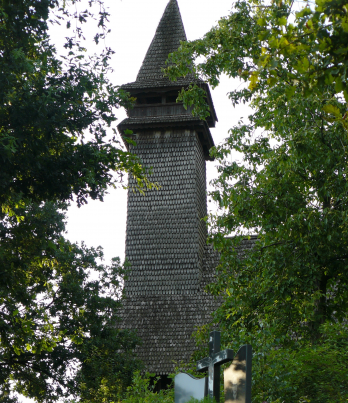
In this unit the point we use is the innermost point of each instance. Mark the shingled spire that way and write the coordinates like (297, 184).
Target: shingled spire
(169, 33)
(151, 87)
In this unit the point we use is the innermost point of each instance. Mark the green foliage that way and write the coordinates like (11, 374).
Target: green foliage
(57, 310)
(205, 400)
(107, 364)
(291, 189)
(49, 104)
(301, 373)
(58, 329)
(314, 42)
(270, 41)
(142, 391)
(283, 176)
(307, 374)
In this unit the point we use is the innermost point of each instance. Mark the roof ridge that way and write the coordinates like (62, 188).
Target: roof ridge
(169, 33)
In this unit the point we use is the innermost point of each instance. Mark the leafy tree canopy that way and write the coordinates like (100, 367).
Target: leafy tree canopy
(55, 318)
(58, 325)
(56, 112)
(282, 176)
(306, 46)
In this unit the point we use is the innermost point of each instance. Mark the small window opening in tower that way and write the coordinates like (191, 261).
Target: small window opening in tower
(171, 99)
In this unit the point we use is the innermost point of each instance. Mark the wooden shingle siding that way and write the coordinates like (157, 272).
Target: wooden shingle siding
(165, 238)
(165, 323)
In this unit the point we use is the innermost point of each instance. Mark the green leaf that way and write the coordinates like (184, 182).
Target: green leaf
(290, 91)
(332, 109)
(262, 22)
(345, 93)
(254, 79)
(282, 21)
(338, 85)
(17, 350)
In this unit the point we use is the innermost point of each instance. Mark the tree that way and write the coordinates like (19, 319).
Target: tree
(288, 296)
(55, 318)
(58, 326)
(140, 390)
(309, 43)
(48, 104)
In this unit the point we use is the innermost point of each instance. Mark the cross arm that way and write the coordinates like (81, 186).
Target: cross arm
(203, 365)
(222, 357)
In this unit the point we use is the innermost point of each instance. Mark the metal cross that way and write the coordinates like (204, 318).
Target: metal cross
(212, 364)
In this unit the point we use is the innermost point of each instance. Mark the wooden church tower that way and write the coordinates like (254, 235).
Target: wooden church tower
(166, 236)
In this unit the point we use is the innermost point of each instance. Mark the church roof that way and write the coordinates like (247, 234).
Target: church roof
(170, 32)
(165, 322)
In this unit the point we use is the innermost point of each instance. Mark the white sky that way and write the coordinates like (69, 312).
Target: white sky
(133, 24)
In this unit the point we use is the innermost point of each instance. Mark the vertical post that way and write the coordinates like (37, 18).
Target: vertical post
(214, 347)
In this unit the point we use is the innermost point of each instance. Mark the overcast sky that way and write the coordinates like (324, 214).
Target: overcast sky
(133, 24)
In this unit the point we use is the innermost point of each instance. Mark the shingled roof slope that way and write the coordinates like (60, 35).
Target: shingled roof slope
(165, 322)
(169, 33)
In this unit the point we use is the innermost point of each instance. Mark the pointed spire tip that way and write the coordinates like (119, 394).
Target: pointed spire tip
(170, 32)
